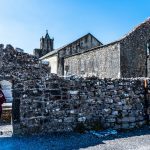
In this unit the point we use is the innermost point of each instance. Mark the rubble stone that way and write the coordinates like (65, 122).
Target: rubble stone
(52, 112)
(44, 103)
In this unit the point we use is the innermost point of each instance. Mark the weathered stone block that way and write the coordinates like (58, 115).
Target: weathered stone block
(68, 119)
(82, 119)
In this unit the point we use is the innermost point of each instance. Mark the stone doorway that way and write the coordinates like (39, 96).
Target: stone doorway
(6, 120)
(148, 59)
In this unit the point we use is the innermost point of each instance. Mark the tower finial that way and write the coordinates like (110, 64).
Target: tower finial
(46, 31)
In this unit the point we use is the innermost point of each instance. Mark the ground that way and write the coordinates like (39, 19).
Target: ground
(5, 131)
(138, 139)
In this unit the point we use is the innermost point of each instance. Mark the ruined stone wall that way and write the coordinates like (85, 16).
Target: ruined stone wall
(133, 51)
(102, 62)
(19, 65)
(148, 100)
(58, 104)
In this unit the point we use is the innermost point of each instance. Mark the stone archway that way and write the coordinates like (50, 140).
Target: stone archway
(7, 90)
(6, 86)
(12, 92)
(6, 120)
(148, 59)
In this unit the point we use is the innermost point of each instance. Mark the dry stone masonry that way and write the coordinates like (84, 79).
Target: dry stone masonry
(16, 66)
(44, 103)
(56, 104)
(19, 65)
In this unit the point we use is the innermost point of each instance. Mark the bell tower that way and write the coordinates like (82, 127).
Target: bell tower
(46, 44)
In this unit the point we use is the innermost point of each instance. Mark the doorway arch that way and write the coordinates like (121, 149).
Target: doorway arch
(6, 87)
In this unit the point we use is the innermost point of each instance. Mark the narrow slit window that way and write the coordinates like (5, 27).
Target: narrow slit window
(148, 48)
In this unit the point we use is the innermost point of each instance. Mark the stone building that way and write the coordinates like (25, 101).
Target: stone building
(56, 58)
(45, 103)
(46, 46)
(127, 57)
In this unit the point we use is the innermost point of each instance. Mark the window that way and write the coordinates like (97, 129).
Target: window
(64, 52)
(82, 65)
(66, 69)
(70, 50)
(86, 39)
(148, 48)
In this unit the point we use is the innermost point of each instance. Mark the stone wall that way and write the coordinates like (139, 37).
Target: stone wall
(126, 58)
(56, 104)
(148, 100)
(18, 66)
(103, 62)
(53, 63)
(79, 46)
(135, 60)
(44, 103)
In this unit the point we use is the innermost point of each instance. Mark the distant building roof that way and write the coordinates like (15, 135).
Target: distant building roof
(56, 50)
(83, 37)
(52, 52)
(126, 35)
(117, 41)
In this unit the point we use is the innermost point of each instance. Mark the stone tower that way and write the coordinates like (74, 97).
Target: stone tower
(46, 46)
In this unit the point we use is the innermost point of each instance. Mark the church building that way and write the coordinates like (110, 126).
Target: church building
(87, 56)
(81, 45)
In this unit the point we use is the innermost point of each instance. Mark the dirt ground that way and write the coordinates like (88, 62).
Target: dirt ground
(138, 139)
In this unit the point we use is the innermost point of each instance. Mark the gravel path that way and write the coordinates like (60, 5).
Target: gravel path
(138, 139)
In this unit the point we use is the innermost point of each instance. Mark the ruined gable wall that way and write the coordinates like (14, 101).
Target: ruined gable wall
(57, 104)
(19, 65)
(133, 52)
(102, 62)
(15, 67)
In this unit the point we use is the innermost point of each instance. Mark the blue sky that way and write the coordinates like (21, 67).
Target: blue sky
(23, 22)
